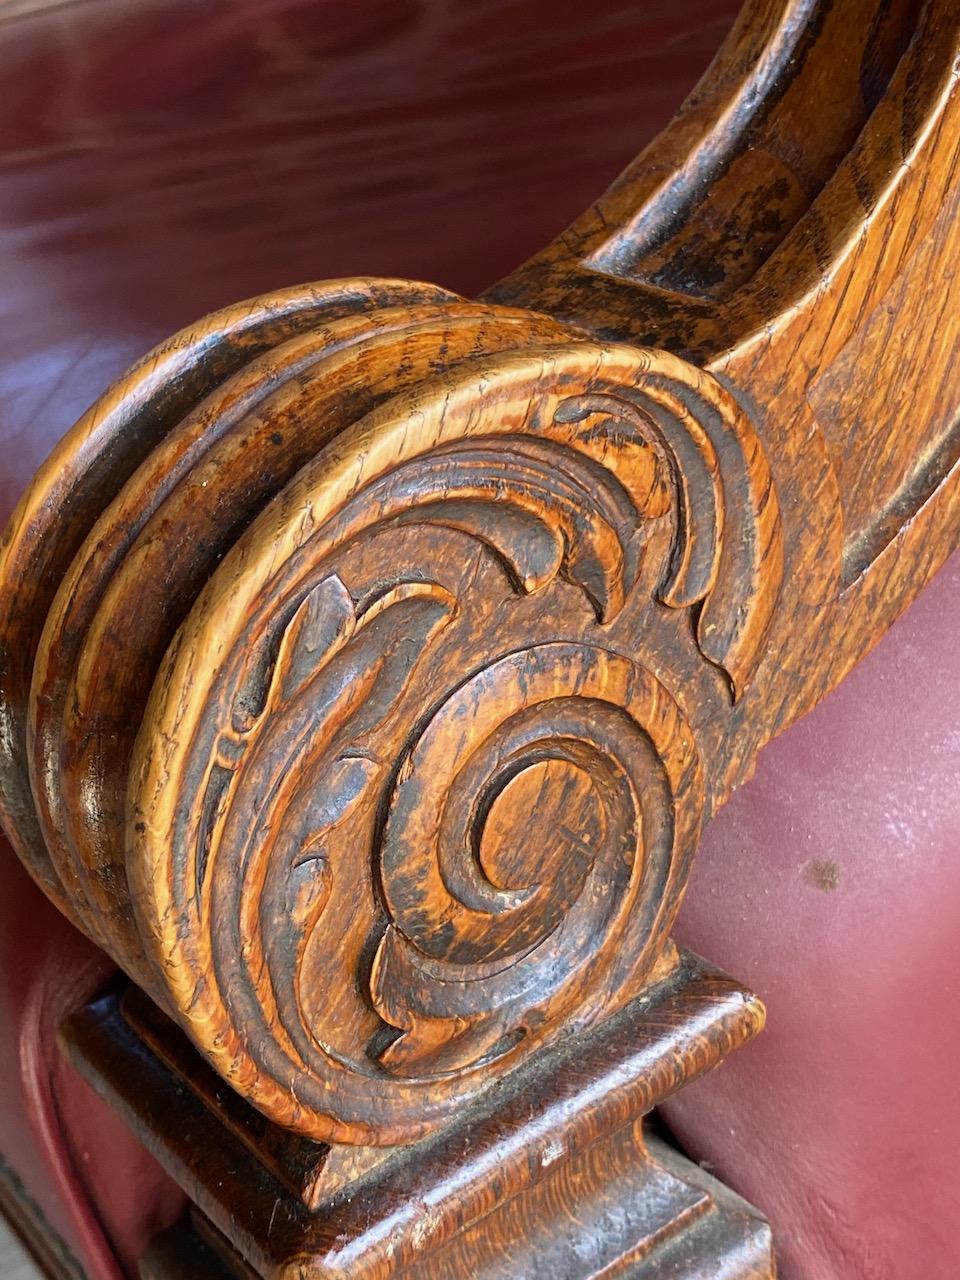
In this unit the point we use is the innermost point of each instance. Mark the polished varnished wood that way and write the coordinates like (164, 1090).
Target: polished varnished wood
(553, 1174)
(437, 627)
(828, 309)
(371, 659)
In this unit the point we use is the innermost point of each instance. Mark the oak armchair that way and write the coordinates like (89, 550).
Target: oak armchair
(372, 660)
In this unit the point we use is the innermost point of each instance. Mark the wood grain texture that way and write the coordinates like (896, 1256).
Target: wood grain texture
(393, 582)
(369, 699)
(86, 470)
(552, 1173)
(512, 521)
(108, 626)
(833, 318)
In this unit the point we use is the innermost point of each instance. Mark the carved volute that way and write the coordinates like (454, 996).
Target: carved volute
(405, 788)
(371, 726)
(370, 659)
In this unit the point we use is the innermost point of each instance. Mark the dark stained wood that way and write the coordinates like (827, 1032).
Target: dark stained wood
(109, 627)
(530, 519)
(551, 1173)
(182, 1253)
(370, 659)
(839, 336)
(310, 1171)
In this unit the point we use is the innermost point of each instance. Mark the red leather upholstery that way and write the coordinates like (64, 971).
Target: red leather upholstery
(93, 1193)
(159, 159)
(831, 884)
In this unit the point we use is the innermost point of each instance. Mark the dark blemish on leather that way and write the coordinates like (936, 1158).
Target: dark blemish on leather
(822, 874)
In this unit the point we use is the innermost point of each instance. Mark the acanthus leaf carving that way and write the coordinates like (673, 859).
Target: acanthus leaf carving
(433, 650)
(727, 553)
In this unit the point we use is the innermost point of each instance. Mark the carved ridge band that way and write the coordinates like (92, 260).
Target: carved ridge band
(405, 803)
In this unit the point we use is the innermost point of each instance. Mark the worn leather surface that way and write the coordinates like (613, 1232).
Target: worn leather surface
(161, 159)
(831, 884)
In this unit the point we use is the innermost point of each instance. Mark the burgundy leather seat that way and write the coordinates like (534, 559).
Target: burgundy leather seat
(831, 884)
(159, 160)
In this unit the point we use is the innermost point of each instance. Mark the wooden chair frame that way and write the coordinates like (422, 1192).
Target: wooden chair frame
(371, 659)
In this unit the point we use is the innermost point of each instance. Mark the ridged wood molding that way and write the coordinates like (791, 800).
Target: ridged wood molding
(370, 659)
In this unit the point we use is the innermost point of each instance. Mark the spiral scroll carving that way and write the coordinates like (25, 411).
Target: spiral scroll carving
(404, 805)
(371, 725)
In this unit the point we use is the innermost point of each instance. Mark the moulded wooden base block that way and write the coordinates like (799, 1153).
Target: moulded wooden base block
(550, 1173)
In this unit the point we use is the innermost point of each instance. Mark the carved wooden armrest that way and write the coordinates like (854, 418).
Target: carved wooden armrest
(371, 658)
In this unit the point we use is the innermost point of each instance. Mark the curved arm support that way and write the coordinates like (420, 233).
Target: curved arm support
(369, 704)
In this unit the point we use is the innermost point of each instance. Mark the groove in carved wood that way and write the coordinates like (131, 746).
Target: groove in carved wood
(465, 564)
(90, 466)
(108, 625)
(370, 660)
(404, 581)
(550, 1171)
(740, 194)
(421, 647)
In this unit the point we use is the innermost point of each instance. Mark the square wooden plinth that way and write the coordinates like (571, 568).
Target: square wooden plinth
(550, 1174)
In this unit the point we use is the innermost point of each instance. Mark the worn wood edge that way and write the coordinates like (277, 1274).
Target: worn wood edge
(163, 863)
(578, 276)
(725, 1238)
(309, 1170)
(589, 1087)
(750, 1254)
(88, 852)
(98, 454)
